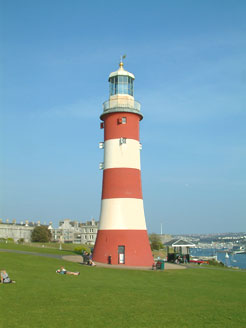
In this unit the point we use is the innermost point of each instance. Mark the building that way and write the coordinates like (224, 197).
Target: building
(17, 231)
(75, 232)
(178, 248)
(122, 235)
(67, 232)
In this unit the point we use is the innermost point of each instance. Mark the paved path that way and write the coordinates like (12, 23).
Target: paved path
(168, 266)
(78, 259)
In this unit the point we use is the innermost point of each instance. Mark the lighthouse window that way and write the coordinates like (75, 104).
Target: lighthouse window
(122, 140)
(121, 85)
(123, 120)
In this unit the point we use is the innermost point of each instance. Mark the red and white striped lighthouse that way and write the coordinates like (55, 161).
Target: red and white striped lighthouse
(122, 235)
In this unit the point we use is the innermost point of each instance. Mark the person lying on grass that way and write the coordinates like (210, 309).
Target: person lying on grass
(5, 278)
(62, 270)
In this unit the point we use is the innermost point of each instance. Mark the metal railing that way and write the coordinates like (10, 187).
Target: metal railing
(110, 104)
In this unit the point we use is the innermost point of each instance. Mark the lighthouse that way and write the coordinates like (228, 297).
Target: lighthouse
(122, 236)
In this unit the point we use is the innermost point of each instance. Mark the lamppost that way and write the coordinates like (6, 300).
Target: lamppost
(61, 241)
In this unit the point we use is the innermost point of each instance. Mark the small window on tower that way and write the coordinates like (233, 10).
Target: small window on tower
(122, 140)
(123, 120)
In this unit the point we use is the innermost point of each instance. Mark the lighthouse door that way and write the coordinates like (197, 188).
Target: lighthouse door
(121, 254)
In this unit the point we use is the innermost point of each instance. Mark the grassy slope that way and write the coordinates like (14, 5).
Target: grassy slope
(118, 298)
(37, 248)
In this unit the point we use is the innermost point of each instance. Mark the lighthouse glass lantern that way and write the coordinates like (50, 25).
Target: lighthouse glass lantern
(121, 85)
(122, 237)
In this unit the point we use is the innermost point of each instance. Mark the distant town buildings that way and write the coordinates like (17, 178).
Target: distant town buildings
(75, 232)
(216, 240)
(164, 238)
(67, 232)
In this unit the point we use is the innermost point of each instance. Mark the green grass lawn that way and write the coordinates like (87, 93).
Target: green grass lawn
(49, 248)
(102, 297)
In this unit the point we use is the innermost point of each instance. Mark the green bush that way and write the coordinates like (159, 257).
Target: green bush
(11, 240)
(82, 248)
(155, 242)
(21, 241)
(215, 263)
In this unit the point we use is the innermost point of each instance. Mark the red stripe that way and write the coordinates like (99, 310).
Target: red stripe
(122, 183)
(114, 130)
(136, 242)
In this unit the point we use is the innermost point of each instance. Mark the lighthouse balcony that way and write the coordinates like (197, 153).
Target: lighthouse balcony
(121, 105)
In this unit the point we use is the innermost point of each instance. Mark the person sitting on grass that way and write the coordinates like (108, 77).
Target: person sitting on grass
(5, 278)
(86, 258)
(91, 263)
(62, 270)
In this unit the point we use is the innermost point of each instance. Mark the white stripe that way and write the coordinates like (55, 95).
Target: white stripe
(122, 214)
(117, 154)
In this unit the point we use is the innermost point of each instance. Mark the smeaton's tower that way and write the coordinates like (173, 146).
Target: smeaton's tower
(122, 236)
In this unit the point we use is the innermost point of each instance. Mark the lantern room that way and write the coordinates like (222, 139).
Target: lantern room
(121, 82)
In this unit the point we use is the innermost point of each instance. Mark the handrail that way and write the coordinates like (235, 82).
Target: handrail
(110, 104)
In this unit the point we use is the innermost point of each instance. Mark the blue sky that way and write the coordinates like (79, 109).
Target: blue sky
(189, 61)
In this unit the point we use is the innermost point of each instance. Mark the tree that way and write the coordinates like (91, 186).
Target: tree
(155, 242)
(41, 234)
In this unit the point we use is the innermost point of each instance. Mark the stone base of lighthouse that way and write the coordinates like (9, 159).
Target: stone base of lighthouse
(123, 247)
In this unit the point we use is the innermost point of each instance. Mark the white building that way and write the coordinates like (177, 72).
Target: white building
(67, 232)
(75, 232)
(17, 231)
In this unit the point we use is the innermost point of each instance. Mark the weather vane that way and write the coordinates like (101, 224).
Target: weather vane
(122, 57)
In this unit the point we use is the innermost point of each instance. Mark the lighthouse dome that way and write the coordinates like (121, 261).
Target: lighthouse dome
(121, 82)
